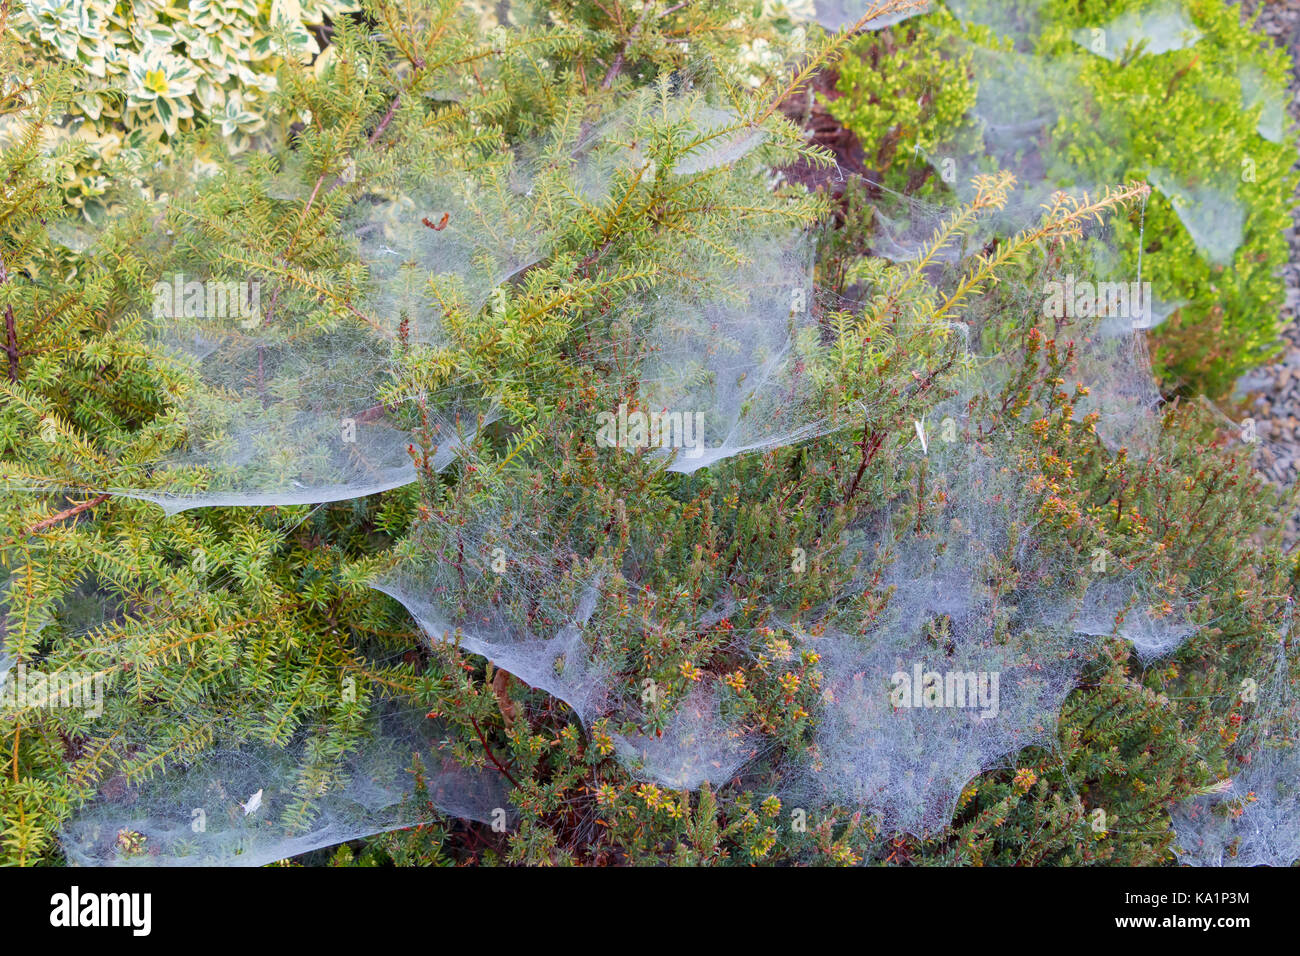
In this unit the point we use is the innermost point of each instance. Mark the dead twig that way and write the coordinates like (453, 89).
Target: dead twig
(72, 512)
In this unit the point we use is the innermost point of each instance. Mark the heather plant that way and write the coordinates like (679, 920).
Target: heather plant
(578, 488)
(902, 90)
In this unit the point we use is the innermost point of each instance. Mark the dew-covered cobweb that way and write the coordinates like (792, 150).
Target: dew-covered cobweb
(292, 404)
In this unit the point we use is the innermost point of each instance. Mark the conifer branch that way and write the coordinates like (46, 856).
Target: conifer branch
(1065, 219)
(617, 66)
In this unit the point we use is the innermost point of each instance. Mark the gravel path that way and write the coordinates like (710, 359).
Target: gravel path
(1277, 407)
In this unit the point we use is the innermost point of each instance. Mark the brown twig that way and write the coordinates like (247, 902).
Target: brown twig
(75, 510)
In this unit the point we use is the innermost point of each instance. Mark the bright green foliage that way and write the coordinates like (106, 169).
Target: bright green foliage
(1189, 116)
(1191, 113)
(903, 90)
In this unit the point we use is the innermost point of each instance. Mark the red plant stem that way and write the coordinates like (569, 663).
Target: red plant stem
(11, 326)
(616, 67)
(383, 123)
(11, 343)
(491, 756)
(870, 445)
